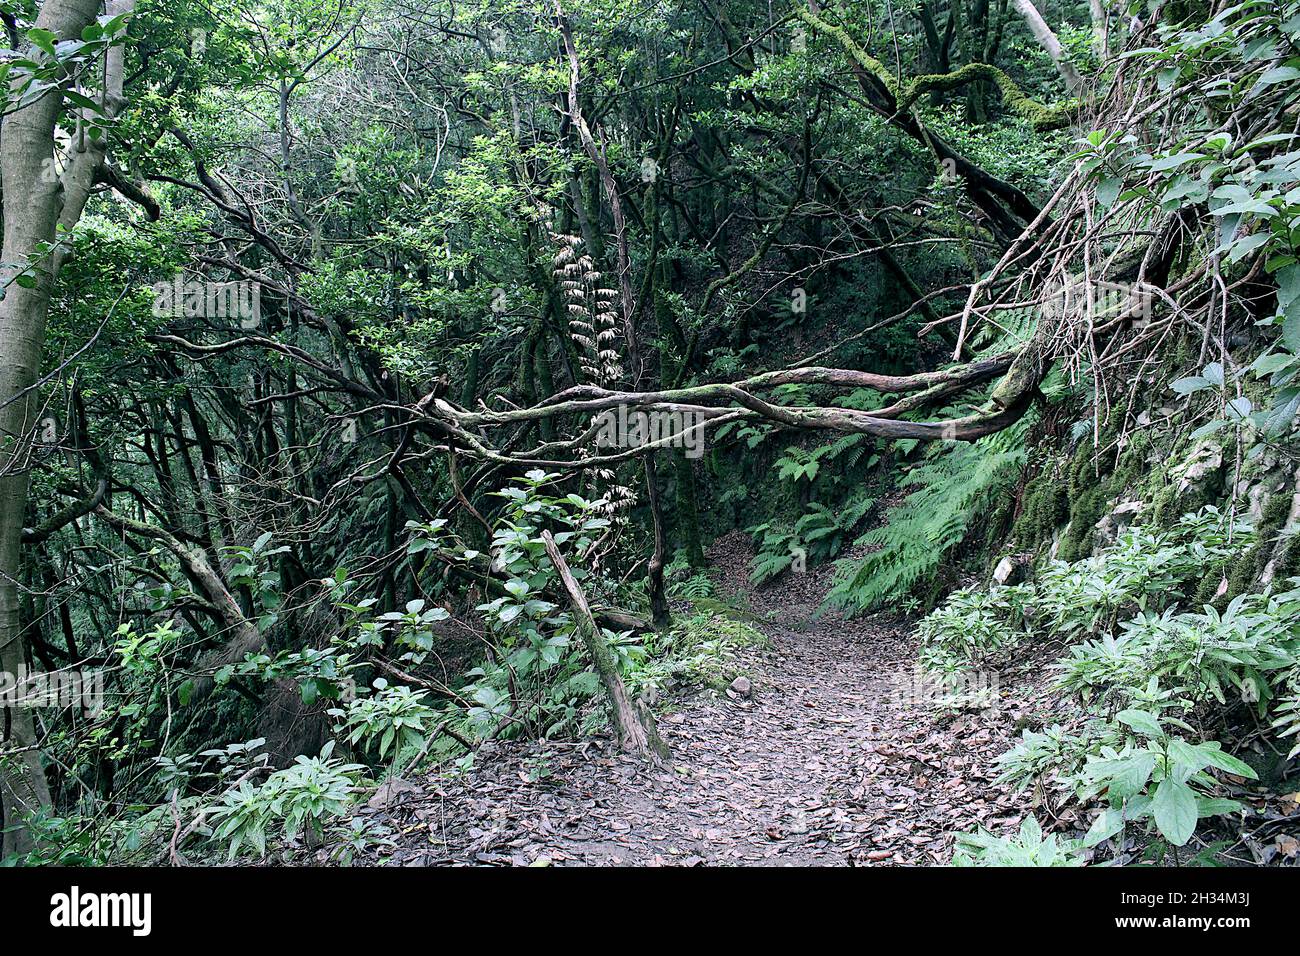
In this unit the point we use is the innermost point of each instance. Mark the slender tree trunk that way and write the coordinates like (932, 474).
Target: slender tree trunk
(35, 203)
(1048, 41)
(1100, 28)
(633, 724)
(658, 597)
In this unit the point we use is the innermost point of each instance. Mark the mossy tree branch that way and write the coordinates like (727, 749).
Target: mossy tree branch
(1041, 117)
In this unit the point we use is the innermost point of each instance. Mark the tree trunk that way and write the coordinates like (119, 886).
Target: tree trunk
(35, 203)
(1048, 41)
(1100, 29)
(633, 724)
(596, 152)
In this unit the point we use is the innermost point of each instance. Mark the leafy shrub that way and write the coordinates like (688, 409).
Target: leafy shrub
(1194, 654)
(1161, 784)
(1288, 713)
(1027, 848)
(357, 836)
(1146, 662)
(390, 719)
(971, 626)
(304, 797)
(1144, 568)
(1056, 755)
(538, 680)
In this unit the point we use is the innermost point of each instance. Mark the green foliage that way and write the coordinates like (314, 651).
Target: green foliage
(953, 487)
(392, 718)
(540, 682)
(1244, 182)
(817, 536)
(306, 797)
(1027, 848)
(401, 250)
(701, 649)
(1197, 655)
(359, 835)
(412, 627)
(802, 465)
(1146, 567)
(1288, 710)
(1161, 783)
(1056, 756)
(1142, 667)
(973, 625)
(250, 567)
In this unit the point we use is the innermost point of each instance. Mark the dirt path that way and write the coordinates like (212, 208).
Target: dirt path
(825, 762)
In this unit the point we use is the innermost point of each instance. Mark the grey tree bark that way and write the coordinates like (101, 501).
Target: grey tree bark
(38, 199)
(1100, 28)
(1049, 42)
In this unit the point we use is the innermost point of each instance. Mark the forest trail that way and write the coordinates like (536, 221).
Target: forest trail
(828, 761)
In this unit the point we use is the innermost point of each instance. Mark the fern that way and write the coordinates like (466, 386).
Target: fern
(817, 536)
(848, 451)
(952, 488)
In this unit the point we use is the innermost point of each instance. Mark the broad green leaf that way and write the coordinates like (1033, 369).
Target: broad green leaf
(1141, 721)
(1174, 808)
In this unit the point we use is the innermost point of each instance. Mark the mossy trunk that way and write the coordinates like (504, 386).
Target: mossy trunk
(634, 725)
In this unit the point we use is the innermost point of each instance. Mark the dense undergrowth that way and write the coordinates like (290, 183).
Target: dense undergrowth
(1157, 681)
(535, 683)
(309, 548)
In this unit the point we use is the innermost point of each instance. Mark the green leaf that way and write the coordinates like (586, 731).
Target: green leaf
(1190, 384)
(43, 39)
(1174, 807)
(1141, 721)
(1288, 304)
(1217, 806)
(1279, 74)
(77, 99)
(1123, 776)
(1107, 824)
(1173, 162)
(1268, 364)
(1246, 245)
(1215, 757)
(1108, 190)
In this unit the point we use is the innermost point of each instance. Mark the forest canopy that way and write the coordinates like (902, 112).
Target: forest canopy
(391, 388)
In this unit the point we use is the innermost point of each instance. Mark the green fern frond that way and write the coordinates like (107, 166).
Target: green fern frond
(952, 488)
